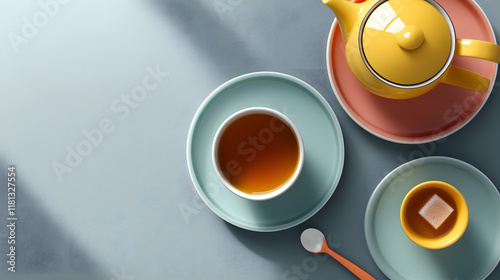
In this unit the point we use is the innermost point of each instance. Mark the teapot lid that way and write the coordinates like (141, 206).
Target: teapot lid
(407, 43)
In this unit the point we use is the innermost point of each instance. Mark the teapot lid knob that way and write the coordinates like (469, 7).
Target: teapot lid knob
(410, 37)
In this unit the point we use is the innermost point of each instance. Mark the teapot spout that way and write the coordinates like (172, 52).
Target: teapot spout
(347, 13)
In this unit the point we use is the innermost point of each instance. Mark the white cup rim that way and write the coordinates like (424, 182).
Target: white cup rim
(288, 183)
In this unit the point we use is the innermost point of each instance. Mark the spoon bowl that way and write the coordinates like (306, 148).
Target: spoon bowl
(312, 240)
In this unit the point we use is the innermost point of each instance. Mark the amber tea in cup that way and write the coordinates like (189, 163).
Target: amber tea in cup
(258, 153)
(434, 214)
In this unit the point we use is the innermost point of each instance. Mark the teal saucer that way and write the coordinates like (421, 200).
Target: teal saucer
(323, 146)
(473, 256)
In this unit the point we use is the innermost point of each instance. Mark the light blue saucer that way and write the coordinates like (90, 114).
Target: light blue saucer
(323, 145)
(474, 256)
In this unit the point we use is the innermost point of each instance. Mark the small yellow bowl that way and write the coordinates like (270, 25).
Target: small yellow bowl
(457, 230)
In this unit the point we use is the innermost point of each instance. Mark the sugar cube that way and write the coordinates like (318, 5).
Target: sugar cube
(436, 211)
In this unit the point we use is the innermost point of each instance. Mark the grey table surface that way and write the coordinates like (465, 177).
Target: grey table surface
(127, 208)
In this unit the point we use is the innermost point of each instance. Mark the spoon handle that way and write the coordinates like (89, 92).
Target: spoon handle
(363, 275)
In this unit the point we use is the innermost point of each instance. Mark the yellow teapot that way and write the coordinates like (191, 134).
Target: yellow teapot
(401, 49)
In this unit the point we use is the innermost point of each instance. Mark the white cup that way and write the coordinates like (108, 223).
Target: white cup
(291, 179)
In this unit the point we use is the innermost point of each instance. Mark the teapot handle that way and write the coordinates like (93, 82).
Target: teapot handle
(478, 49)
(466, 79)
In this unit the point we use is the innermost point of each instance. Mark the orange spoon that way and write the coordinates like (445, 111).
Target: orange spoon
(315, 242)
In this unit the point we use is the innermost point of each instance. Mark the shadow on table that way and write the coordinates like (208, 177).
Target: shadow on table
(215, 38)
(280, 247)
(285, 250)
(43, 250)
